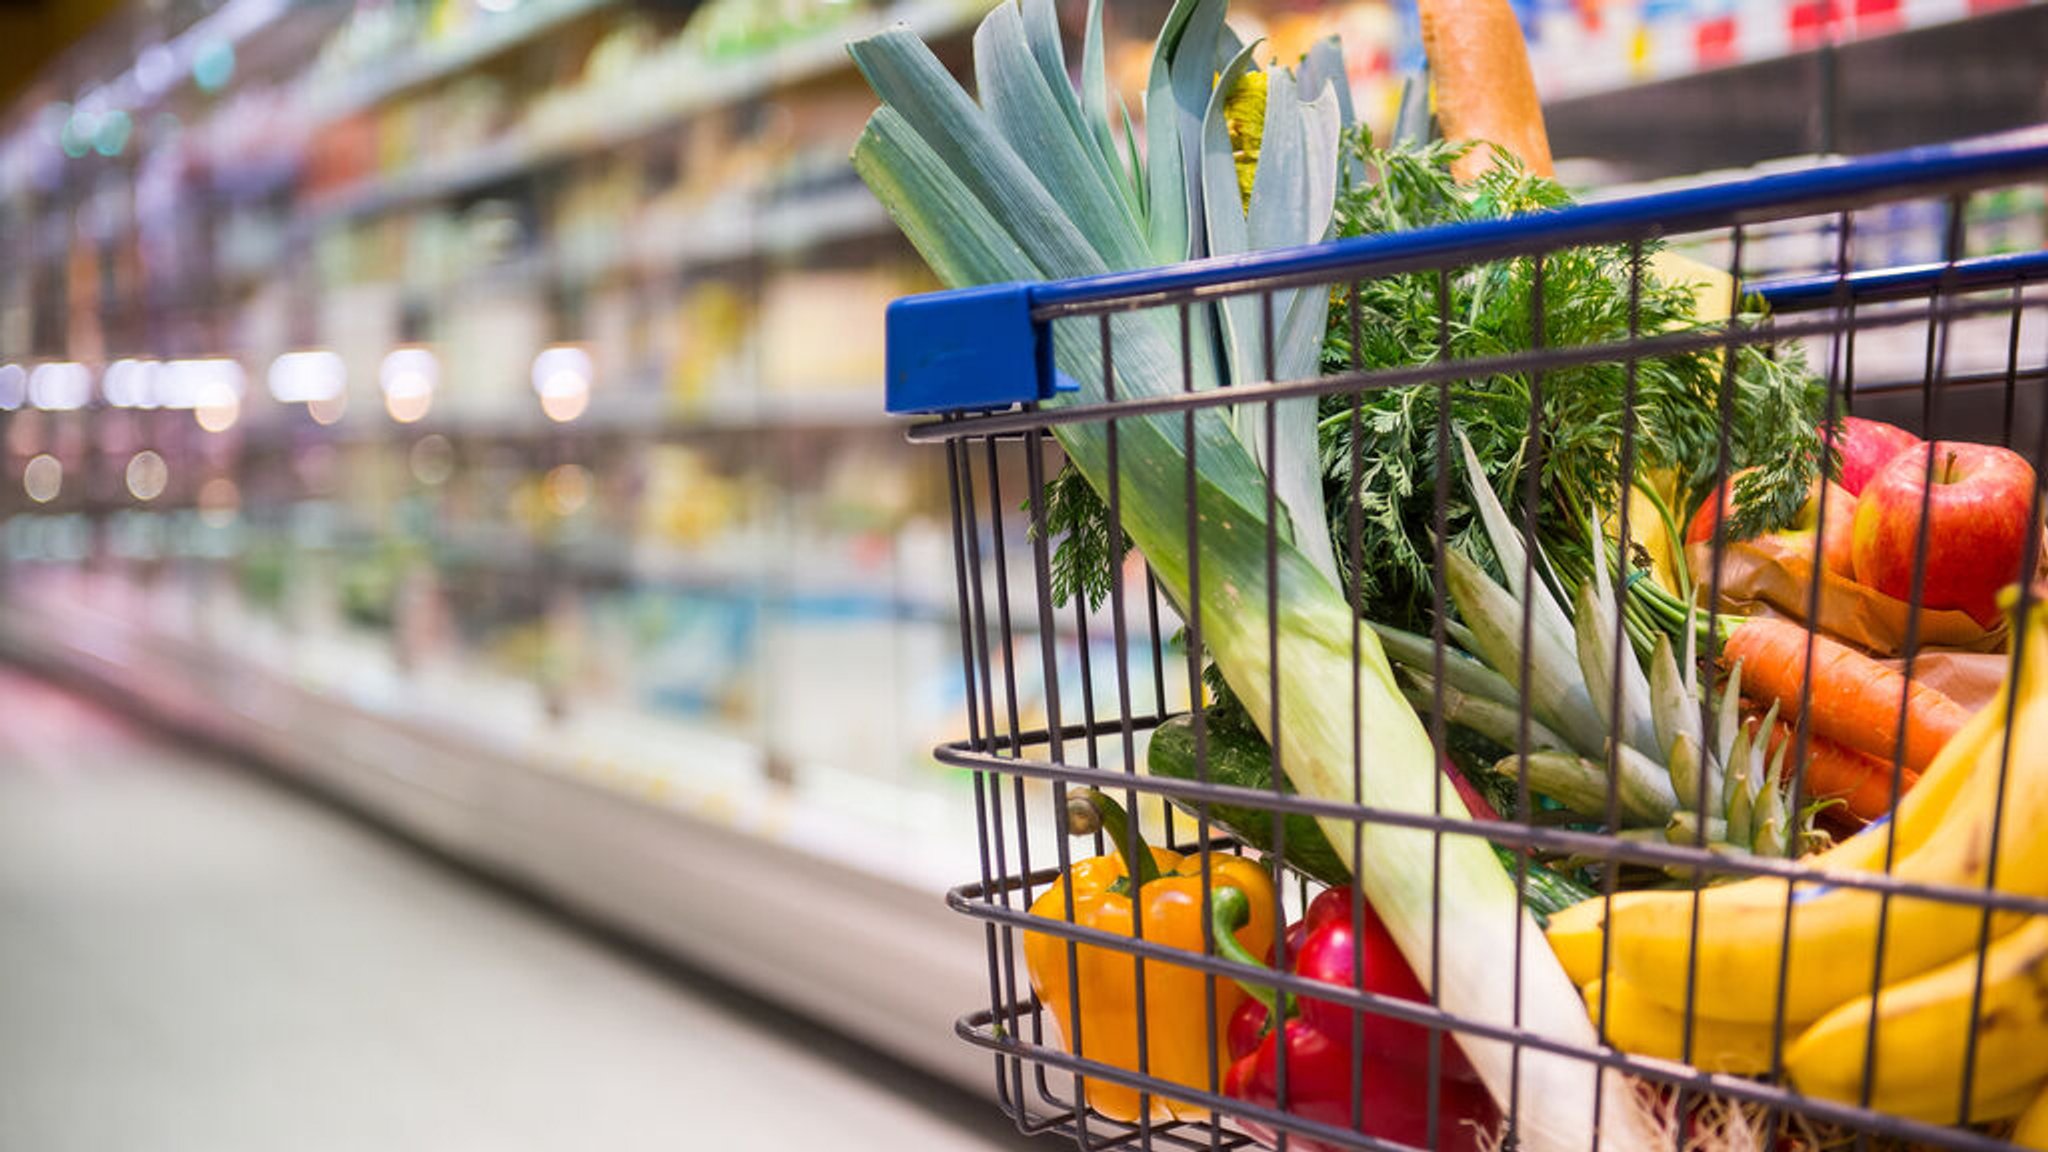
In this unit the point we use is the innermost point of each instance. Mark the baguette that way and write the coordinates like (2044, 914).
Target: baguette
(1485, 91)
(1484, 88)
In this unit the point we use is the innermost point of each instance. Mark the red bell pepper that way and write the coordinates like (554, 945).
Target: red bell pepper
(1392, 1086)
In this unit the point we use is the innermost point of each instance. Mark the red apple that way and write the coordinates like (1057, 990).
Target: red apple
(1977, 513)
(1866, 446)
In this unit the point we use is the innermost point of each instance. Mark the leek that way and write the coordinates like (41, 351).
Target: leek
(952, 174)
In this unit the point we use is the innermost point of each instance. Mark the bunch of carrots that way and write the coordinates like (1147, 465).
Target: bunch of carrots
(1862, 717)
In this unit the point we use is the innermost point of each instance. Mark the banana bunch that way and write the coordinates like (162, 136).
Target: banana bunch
(2032, 1130)
(1668, 778)
(1814, 947)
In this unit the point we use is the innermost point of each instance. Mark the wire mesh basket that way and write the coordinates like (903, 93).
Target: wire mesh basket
(1149, 1018)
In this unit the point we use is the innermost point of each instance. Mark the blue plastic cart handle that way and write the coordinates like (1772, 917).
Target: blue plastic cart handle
(983, 348)
(1795, 295)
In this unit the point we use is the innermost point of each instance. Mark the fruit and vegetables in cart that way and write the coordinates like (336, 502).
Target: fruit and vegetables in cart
(1562, 630)
(1798, 961)
(1601, 736)
(1979, 501)
(954, 173)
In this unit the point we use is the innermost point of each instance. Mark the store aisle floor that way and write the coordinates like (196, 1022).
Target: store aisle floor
(193, 957)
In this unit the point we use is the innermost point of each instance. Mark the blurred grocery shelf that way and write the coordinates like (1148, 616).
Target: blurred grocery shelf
(1919, 74)
(617, 110)
(347, 82)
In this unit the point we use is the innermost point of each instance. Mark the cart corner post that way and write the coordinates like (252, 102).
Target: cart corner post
(972, 349)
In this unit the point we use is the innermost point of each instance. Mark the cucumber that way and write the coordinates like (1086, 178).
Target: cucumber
(1240, 757)
(1548, 891)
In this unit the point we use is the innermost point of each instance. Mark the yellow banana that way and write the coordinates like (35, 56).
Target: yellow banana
(1935, 1109)
(2033, 1127)
(1741, 928)
(1637, 1024)
(1924, 1028)
(1833, 937)
(1575, 934)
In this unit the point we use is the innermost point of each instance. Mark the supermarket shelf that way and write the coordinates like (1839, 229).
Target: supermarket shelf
(830, 408)
(243, 25)
(765, 225)
(702, 880)
(1872, 95)
(756, 226)
(426, 66)
(638, 409)
(711, 87)
(737, 571)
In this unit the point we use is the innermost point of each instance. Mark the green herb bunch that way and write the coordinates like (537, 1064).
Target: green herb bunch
(1586, 300)
(1774, 411)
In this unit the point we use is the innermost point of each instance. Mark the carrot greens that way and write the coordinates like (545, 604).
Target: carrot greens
(1776, 406)
(1776, 403)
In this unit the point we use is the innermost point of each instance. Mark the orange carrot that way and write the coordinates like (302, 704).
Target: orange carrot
(1835, 771)
(1854, 699)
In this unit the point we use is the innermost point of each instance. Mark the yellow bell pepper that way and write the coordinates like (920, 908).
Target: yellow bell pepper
(1168, 892)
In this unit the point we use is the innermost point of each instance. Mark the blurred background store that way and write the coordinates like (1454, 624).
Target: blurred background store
(470, 412)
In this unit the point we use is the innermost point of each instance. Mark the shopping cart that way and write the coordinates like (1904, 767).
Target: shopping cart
(1953, 349)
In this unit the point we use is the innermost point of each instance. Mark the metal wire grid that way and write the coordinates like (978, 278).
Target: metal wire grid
(999, 463)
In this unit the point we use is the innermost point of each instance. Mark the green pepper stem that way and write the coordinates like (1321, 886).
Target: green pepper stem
(1122, 833)
(1230, 909)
